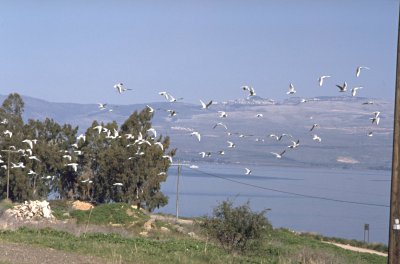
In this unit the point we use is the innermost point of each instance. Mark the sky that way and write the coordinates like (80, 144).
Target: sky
(75, 51)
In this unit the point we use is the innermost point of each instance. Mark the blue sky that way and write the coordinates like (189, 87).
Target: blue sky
(75, 51)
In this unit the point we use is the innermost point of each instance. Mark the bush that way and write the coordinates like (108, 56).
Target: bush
(236, 227)
(4, 205)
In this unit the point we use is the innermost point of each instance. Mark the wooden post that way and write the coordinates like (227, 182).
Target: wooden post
(8, 174)
(177, 191)
(394, 232)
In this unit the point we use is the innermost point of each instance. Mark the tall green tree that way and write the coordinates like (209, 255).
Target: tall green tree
(117, 157)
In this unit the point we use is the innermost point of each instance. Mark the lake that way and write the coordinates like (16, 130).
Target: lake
(203, 188)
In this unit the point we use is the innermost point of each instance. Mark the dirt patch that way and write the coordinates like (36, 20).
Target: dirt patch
(357, 249)
(171, 219)
(25, 254)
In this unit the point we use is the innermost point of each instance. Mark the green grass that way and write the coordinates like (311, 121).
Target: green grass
(280, 246)
(311, 247)
(59, 208)
(277, 246)
(4, 205)
(104, 214)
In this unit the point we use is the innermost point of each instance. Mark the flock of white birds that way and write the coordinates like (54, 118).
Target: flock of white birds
(138, 140)
(294, 143)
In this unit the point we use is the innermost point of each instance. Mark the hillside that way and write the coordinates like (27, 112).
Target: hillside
(119, 233)
(344, 123)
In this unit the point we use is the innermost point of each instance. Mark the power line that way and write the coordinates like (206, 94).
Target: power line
(291, 193)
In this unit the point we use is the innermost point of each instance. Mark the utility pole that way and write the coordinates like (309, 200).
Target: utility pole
(177, 191)
(394, 226)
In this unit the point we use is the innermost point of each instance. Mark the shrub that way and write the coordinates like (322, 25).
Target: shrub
(236, 227)
(4, 205)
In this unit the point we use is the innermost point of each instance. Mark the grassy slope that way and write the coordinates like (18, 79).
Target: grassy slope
(279, 246)
(284, 247)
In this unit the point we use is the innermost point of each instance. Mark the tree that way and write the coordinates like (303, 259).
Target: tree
(107, 156)
(114, 157)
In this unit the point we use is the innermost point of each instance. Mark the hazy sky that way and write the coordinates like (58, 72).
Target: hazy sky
(75, 51)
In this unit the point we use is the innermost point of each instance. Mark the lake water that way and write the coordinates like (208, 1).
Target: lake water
(201, 190)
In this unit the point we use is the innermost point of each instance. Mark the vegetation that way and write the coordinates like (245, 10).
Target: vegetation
(282, 247)
(123, 244)
(236, 227)
(116, 213)
(101, 154)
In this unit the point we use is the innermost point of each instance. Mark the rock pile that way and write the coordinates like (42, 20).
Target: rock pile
(31, 209)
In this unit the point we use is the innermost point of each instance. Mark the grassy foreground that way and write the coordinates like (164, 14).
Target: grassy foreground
(284, 247)
(277, 246)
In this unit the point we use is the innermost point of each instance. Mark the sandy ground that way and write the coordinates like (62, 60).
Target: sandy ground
(357, 249)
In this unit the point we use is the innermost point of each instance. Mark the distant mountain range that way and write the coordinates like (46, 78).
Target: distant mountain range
(343, 127)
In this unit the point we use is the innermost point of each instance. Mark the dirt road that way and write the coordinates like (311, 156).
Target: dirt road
(27, 254)
(357, 249)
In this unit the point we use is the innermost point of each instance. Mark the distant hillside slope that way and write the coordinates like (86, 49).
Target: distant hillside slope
(344, 123)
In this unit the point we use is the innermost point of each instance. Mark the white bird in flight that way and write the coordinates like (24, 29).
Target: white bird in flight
(153, 131)
(167, 157)
(81, 136)
(354, 90)
(67, 157)
(204, 105)
(73, 165)
(151, 110)
(251, 90)
(313, 126)
(222, 114)
(205, 154)
(102, 106)
(168, 96)
(29, 142)
(376, 117)
(160, 145)
(248, 171)
(231, 144)
(118, 184)
(34, 158)
(274, 136)
(291, 89)
(120, 88)
(317, 138)
(342, 88)
(18, 165)
(31, 172)
(220, 124)
(295, 144)
(284, 135)
(278, 155)
(197, 134)
(322, 78)
(99, 128)
(171, 112)
(359, 68)
(8, 132)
